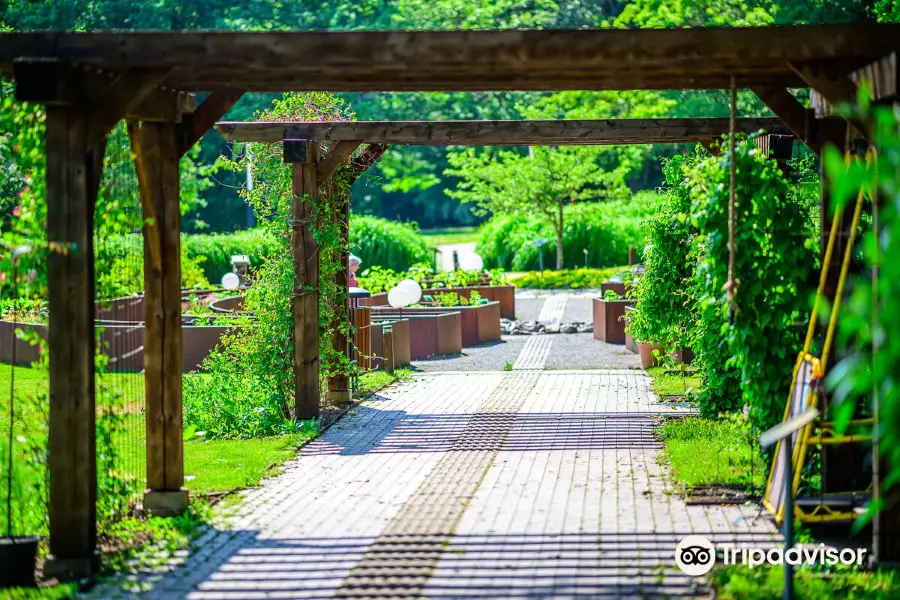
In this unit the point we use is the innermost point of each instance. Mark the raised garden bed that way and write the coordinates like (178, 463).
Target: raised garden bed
(505, 295)
(479, 324)
(430, 333)
(400, 327)
(609, 323)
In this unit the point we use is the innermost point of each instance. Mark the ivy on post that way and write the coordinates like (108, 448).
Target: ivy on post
(303, 156)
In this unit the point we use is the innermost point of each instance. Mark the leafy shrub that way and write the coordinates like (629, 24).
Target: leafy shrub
(663, 303)
(125, 274)
(216, 249)
(377, 279)
(574, 278)
(605, 229)
(388, 244)
(774, 260)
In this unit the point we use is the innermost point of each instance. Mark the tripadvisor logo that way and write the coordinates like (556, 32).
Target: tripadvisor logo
(695, 555)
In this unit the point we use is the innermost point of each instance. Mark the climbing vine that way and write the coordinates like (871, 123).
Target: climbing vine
(251, 388)
(775, 265)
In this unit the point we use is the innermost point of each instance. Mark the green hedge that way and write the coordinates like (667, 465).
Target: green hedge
(377, 241)
(605, 229)
(388, 244)
(218, 248)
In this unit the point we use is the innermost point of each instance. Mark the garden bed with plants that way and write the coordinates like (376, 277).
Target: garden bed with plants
(609, 317)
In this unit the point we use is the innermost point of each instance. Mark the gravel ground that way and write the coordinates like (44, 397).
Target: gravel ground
(528, 309)
(578, 309)
(567, 351)
(582, 351)
(486, 357)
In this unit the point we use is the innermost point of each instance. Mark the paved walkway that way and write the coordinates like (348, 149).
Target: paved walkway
(529, 483)
(465, 252)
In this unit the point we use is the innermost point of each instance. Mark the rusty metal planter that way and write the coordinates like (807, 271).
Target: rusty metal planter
(609, 325)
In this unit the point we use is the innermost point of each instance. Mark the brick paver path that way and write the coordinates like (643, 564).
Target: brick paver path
(526, 483)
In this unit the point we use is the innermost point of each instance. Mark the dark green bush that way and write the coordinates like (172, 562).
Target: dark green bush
(388, 244)
(377, 241)
(218, 248)
(605, 229)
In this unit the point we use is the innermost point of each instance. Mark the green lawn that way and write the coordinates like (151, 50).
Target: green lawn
(666, 382)
(56, 592)
(712, 452)
(451, 235)
(739, 582)
(209, 465)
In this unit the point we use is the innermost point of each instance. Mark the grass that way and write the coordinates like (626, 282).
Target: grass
(668, 383)
(712, 452)
(56, 592)
(739, 582)
(451, 235)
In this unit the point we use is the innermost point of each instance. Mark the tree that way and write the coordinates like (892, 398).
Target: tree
(544, 181)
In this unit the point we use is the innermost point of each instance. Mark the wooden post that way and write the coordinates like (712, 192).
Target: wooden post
(631, 258)
(339, 385)
(388, 348)
(303, 155)
(362, 320)
(157, 153)
(73, 175)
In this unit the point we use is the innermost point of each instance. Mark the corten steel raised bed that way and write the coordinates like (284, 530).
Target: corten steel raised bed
(615, 286)
(480, 324)
(430, 333)
(121, 341)
(400, 327)
(609, 325)
(504, 294)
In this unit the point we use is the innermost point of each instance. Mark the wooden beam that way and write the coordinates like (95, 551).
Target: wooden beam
(498, 133)
(303, 156)
(213, 108)
(835, 87)
(72, 459)
(339, 154)
(121, 98)
(786, 107)
(56, 83)
(156, 162)
(346, 61)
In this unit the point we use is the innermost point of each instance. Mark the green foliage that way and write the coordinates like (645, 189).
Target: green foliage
(720, 451)
(664, 308)
(388, 244)
(216, 249)
(737, 582)
(604, 229)
(377, 279)
(870, 320)
(575, 279)
(775, 265)
(250, 388)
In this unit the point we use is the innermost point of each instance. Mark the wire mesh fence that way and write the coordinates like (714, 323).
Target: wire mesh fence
(119, 330)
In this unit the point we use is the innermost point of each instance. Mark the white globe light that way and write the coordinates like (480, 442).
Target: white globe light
(231, 281)
(413, 289)
(396, 298)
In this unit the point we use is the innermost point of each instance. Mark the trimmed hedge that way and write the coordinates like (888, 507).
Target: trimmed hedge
(377, 241)
(605, 229)
(388, 244)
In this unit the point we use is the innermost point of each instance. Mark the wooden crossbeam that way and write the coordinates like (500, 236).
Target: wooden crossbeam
(608, 59)
(55, 83)
(499, 133)
(201, 120)
(341, 152)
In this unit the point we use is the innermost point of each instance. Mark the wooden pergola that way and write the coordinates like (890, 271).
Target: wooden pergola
(91, 81)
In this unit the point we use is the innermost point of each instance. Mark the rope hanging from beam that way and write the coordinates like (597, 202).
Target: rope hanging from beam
(731, 284)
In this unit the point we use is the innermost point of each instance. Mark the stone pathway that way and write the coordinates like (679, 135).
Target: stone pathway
(529, 483)
(468, 258)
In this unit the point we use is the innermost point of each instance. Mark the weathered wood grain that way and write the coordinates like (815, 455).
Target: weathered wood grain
(493, 133)
(697, 58)
(306, 292)
(72, 458)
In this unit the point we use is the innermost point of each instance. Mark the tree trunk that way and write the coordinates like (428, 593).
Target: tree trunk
(559, 240)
